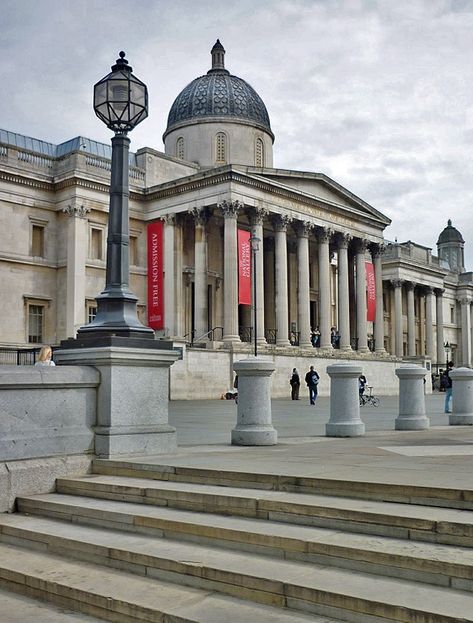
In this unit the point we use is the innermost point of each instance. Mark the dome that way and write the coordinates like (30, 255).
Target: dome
(450, 234)
(218, 95)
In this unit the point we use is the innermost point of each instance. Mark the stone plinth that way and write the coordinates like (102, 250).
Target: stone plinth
(411, 398)
(132, 401)
(344, 401)
(462, 397)
(254, 426)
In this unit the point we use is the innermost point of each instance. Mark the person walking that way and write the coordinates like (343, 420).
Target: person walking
(312, 380)
(448, 387)
(361, 385)
(295, 384)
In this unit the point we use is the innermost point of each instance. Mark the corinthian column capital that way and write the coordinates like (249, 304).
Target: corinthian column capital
(230, 209)
(280, 222)
(324, 234)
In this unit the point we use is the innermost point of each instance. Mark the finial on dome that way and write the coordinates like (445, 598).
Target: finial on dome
(218, 56)
(449, 222)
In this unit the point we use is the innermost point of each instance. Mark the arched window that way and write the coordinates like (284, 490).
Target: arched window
(259, 153)
(180, 148)
(220, 148)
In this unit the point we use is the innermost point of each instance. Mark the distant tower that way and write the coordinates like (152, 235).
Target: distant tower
(450, 246)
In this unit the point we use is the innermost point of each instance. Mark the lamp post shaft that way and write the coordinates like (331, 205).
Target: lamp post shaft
(118, 250)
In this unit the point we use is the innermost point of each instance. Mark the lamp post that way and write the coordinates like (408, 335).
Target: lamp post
(254, 242)
(121, 102)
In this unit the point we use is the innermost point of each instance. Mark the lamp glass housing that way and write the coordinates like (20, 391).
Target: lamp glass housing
(121, 99)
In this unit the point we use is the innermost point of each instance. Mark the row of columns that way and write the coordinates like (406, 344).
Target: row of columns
(325, 236)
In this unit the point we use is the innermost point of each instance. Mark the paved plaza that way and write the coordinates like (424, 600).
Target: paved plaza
(440, 456)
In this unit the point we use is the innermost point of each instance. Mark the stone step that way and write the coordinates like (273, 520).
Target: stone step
(388, 492)
(348, 596)
(409, 521)
(432, 564)
(20, 609)
(270, 537)
(121, 597)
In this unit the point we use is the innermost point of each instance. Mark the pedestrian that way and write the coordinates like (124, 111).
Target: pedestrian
(45, 357)
(312, 380)
(295, 384)
(448, 386)
(362, 384)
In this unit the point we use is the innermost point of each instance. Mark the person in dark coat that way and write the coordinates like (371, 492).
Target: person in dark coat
(295, 384)
(312, 380)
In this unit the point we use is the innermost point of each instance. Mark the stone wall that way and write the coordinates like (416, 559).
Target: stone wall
(46, 427)
(206, 373)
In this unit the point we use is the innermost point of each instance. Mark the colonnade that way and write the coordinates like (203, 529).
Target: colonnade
(348, 249)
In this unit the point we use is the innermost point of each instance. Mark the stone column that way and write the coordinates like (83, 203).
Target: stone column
(200, 272)
(76, 252)
(343, 292)
(344, 401)
(361, 324)
(324, 235)
(439, 309)
(303, 229)
(429, 334)
(411, 398)
(377, 251)
(462, 397)
(280, 223)
(397, 285)
(466, 331)
(411, 324)
(230, 270)
(179, 295)
(254, 426)
(256, 217)
(169, 275)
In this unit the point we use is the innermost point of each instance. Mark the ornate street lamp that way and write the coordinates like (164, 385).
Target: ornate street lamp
(121, 102)
(254, 242)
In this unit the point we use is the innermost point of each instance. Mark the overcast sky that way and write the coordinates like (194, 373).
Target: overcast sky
(377, 94)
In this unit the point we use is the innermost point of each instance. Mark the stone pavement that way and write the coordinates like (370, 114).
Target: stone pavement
(441, 456)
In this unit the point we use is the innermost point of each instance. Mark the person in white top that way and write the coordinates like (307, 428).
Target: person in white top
(45, 357)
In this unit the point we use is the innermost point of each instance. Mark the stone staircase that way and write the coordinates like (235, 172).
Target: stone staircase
(138, 542)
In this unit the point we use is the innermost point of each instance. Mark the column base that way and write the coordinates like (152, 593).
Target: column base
(412, 423)
(254, 436)
(345, 429)
(462, 419)
(111, 442)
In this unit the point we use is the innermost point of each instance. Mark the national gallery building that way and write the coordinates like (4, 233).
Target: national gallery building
(328, 285)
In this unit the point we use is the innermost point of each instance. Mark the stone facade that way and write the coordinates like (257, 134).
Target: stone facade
(316, 240)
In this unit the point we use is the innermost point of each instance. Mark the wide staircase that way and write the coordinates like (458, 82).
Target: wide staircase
(137, 542)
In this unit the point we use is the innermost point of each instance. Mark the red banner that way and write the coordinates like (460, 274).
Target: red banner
(155, 276)
(370, 292)
(244, 267)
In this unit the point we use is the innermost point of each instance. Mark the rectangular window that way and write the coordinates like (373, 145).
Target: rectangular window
(95, 244)
(452, 314)
(35, 324)
(37, 241)
(91, 312)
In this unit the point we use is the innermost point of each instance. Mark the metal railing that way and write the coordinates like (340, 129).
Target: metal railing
(245, 333)
(18, 356)
(270, 336)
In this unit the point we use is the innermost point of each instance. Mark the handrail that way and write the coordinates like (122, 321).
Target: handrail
(206, 335)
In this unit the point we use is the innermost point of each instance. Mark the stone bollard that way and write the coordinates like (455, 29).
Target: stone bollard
(254, 427)
(411, 398)
(344, 401)
(462, 397)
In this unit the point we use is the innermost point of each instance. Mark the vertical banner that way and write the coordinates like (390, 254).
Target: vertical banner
(370, 292)
(244, 267)
(155, 276)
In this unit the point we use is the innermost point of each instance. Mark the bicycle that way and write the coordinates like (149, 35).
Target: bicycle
(369, 399)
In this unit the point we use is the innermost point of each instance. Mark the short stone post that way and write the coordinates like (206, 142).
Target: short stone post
(254, 426)
(344, 401)
(462, 397)
(411, 398)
